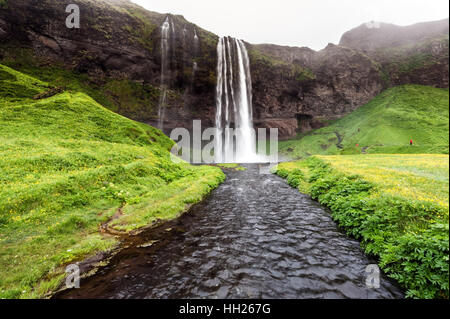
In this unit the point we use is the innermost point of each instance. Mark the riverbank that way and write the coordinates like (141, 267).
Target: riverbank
(73, 175)
(396, 205)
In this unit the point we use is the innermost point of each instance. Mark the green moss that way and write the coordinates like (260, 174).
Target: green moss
(411, 63)
(147, 23)
(412, 57)
(9, 89)
(303, 74)
(136, 99)
(385, 77)
(258, 57)
(300, 73)
(16, 86)
(6, 76)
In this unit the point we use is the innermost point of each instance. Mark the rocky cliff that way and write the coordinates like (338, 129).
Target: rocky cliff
(116, 52)
(116, 57)
(297, 89)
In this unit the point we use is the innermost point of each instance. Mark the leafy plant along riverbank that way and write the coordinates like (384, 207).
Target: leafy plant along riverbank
(396, 205)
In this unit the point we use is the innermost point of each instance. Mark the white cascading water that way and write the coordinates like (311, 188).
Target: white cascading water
(195, 37)
(166, 35)
(234, 104)
(195, 65)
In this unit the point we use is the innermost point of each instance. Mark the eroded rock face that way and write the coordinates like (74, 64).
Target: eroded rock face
(294, 89)
(413, 54)
(373, 36)
(316, 87)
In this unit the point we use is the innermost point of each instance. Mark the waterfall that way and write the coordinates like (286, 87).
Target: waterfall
(166, 36)
(194, 64)
(195, 37)
(234, 104)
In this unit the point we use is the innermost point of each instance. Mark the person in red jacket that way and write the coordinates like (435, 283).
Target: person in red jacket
(411, 142)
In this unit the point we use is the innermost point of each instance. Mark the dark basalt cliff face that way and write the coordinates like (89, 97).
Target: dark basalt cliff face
(118, 48)
(117, 54)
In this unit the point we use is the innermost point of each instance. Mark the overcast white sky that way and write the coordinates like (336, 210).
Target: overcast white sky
(311, 23)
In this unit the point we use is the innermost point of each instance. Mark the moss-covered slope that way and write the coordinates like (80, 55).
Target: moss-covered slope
(384, 125)
(68, 165)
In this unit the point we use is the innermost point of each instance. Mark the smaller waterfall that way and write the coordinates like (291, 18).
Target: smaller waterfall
(195, 64)
(234, 104)
(195, 43)
(195, 36)
(166, 37)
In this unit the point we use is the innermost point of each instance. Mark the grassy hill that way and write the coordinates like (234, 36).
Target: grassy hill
(384, 125)
(68, 165)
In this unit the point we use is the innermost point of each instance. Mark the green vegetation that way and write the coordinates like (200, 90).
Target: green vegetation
(68, 165)
(232, 166)
(300, 73)
(3, 3)
(259, 57)
(303, 73)
(148, 22)
(384, 125)
(396, 205)
(422, 177)
(414, 56)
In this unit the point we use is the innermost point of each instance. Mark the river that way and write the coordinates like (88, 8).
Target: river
(253, 237)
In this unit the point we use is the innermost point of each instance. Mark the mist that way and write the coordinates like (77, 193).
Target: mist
(308, 23)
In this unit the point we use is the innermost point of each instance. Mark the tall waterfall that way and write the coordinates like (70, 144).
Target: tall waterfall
(234, 104)
(166, 36)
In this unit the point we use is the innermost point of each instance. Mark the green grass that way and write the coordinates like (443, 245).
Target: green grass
(422, 177)
(232, 166)
(396, 205)
(66, 166)
(384, 125)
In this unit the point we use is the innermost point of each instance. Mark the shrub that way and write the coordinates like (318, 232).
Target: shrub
(294, 178)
